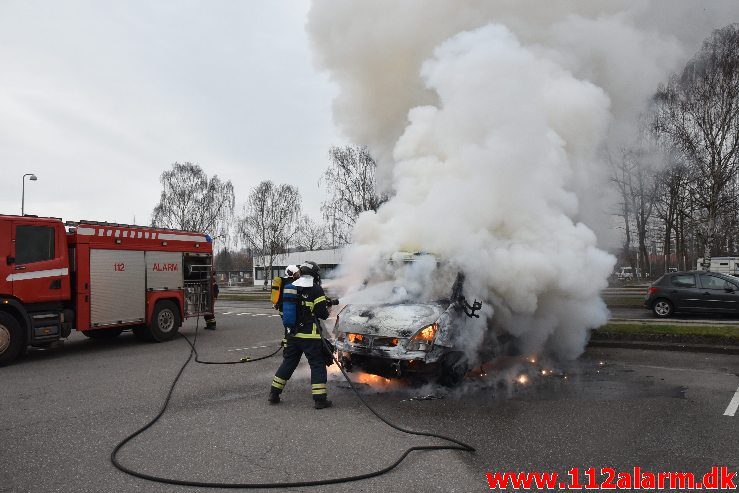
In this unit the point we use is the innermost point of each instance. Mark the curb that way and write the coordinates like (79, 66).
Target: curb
(665, 346)
(673, 321)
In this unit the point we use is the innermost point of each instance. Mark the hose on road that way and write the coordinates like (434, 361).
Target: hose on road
(457, 444)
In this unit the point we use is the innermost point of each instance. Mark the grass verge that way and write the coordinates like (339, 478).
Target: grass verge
(668, 335)
(728, 332)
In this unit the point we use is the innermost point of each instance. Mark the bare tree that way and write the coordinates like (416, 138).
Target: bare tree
(637, 183)
(223, 260)
(620, 176)
(192, 202)
(243, 260)
(312, 233)
(351, 187)
(270, 220)
(697, 112)
(642, 191)
(672, 206)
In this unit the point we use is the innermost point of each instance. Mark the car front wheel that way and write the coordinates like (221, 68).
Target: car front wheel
(662, 308)
(453, 369)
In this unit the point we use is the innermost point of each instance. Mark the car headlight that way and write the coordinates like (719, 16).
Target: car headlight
(423, 340)
(355, 338)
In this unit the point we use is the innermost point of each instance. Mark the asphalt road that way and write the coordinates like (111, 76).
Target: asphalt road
(62, 412)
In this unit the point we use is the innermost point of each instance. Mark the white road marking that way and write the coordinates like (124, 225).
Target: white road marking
(692, 370)
(254, 314)
(226, 313)
(733, 404)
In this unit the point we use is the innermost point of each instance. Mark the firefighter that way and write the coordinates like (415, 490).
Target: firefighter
(210, 319)
(305, 338)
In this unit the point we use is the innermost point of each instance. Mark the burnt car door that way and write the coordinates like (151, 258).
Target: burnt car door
(684, 292)
(718, 294)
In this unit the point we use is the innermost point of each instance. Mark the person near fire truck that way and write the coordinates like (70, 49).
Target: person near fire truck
(305, 337)
(210, 319)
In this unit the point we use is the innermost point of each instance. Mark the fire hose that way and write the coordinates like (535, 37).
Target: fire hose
(457, 444)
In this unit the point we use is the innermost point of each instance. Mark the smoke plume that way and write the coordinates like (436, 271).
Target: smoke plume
(489, 121)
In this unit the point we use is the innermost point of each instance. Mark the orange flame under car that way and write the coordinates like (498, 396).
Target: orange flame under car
(370, 379)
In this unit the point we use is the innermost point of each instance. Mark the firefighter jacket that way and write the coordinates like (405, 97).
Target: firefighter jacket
(313, 306)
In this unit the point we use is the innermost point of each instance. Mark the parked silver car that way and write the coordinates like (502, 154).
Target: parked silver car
(627, 273)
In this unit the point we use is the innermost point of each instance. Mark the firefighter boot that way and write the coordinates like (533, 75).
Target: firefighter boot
(274, 398)
(322, 403)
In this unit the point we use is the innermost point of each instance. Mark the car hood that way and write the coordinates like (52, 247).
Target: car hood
(401, 320)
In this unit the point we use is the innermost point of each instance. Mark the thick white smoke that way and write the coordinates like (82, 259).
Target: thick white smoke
(489, 121)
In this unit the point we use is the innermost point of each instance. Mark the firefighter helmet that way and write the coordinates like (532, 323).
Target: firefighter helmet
(310, 269)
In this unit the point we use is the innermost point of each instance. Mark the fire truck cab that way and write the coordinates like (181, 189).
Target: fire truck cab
(98, 278)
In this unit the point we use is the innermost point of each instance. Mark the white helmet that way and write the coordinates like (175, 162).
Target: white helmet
(291, 270)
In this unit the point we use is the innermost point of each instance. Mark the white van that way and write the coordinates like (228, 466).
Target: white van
(624, 273)
(722, 265)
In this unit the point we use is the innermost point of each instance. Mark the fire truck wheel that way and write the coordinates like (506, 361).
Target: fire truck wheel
(165, 321)
(11, 338)
(103, 333)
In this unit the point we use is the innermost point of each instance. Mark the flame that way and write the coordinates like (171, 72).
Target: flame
(371, 380)
(355, 338)
(427, 333)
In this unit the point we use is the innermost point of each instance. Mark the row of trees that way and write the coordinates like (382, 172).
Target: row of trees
(271, 220)
(679, 184)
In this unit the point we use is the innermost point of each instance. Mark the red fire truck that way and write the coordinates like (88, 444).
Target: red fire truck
(98, 278)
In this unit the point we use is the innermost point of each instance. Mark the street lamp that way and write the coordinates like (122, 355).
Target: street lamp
(23, 195)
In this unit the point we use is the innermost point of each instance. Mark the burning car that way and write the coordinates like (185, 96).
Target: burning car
(406, 338)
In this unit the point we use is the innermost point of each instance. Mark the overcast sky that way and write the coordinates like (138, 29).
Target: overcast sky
(98, 98)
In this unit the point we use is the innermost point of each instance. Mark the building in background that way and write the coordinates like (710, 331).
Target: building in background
(234, 277)
(326, 259)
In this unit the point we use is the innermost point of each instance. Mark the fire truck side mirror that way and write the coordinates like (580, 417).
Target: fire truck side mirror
(10, 260)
